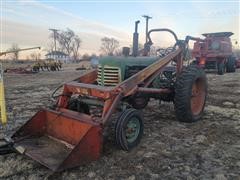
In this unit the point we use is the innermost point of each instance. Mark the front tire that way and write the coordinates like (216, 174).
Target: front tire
(190, 94)
(220, 68)
(129, 129)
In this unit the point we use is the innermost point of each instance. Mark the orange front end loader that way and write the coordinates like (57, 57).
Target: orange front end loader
(63, 137)
(59, 140)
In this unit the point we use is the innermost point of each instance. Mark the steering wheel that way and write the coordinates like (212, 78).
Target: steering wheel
(169, 50)
(161, 52)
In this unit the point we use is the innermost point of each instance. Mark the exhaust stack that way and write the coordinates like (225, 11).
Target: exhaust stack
(135, 40)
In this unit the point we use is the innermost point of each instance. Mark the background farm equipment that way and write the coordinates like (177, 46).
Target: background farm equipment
(215, 52)
(47, 65)
(20, 70)
(40, 65)
(13, 51)
(71, 132)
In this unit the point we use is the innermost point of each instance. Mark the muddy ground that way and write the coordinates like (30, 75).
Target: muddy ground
(208, 149)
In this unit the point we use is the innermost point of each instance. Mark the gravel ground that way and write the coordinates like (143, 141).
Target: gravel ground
(208, 149)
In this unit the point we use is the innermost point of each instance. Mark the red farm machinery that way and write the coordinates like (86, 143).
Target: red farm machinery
(215, 52)
(70, 133)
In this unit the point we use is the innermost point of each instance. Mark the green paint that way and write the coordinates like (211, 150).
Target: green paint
(132, 130)
(123, 63)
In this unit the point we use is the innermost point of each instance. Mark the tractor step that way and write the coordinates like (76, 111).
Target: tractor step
(59, 140)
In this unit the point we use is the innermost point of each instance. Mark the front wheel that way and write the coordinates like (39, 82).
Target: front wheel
(190, 94)
(220, 68)
(129, 129)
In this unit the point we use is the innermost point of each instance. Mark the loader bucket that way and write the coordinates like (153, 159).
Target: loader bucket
(59, 140)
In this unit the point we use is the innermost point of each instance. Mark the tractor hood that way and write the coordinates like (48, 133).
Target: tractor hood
(121, 61)
(113, 70)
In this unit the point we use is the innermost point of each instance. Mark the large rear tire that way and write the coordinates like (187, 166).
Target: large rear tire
(129, 129)
(231, 64)
(190, 94)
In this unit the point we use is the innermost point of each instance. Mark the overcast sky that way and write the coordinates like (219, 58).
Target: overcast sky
(26, 22)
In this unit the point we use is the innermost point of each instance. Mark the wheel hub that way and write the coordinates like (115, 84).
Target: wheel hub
(198, 96)
(132, 130)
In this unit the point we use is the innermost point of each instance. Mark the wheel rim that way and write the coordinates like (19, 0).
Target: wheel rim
(132, 129)
(198, 96)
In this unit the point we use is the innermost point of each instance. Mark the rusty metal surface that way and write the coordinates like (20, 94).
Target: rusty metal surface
(153, 90)
(109, 108)
(89, 89)
(179, 59)
(51, 138)
(88, 77)
(88, 149)
(76, 115)
(45, 150)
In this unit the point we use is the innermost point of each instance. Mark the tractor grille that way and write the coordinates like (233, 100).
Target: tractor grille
(108, 76)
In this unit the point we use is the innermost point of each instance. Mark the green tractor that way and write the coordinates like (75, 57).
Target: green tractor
(113, 70)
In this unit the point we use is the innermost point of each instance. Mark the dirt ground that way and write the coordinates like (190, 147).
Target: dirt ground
(208, 149)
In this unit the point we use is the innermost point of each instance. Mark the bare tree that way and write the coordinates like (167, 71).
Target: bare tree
(67, 42)
(50, 47)
(109, 45)
(237, 52)
(118, 52)
(86, 56)
(35, 56)
(27, 58)
(140, 48)
(14, 55)
(65, 39)
(93, 55)
(75, 47)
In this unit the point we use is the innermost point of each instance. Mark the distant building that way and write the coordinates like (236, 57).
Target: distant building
(58, 55)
